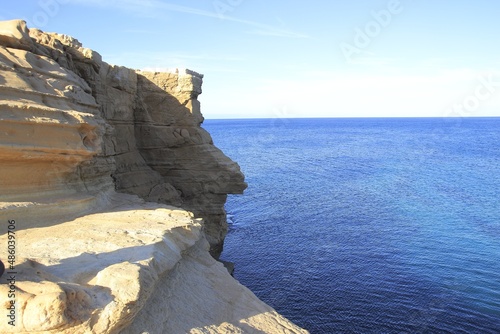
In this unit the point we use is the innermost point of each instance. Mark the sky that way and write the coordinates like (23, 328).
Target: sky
(298, 58)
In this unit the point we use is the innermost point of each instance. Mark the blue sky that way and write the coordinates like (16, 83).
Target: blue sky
(296, 58)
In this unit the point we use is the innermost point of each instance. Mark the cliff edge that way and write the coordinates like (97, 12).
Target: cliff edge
(112, 199)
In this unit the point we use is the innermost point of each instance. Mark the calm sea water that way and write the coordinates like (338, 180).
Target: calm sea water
(369, 225)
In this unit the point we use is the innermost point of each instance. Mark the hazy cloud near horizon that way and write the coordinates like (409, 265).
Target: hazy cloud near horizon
(324, 59)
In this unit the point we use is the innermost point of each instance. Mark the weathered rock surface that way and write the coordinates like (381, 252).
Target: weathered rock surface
(80, 142)
(133, 267)
(83, 120)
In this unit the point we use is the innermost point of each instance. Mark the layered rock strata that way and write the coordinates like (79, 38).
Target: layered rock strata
(95, 162)
(85, 120)
(130, 267)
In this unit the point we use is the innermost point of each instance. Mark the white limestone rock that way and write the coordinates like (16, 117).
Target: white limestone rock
(74, 130)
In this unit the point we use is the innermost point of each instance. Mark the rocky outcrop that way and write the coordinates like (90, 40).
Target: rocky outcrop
(96, 162)
(141, 128)
(131, 267)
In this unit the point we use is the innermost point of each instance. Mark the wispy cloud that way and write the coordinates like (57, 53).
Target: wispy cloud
(275, 32)
(186, 56)
(166, 60)
(372, 61)
(204, 71)
(141, 7)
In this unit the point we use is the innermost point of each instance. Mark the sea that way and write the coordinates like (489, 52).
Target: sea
(368, 225)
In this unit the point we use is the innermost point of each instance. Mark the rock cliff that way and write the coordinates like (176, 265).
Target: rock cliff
(96, 163)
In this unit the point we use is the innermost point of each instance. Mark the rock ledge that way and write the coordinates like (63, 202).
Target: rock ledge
(115, 195)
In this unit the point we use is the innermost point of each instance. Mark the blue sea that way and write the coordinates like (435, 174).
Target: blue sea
(368, 225)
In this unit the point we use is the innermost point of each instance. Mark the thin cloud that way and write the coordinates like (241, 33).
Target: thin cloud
(186, 56)
(203, 71)
(278, 33)
(372, 61)
(152, 6)
(158, 60)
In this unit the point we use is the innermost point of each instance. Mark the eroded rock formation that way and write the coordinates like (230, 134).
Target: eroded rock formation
(96, 161)
(141, 128)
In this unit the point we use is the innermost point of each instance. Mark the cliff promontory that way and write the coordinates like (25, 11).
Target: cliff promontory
(112, 199)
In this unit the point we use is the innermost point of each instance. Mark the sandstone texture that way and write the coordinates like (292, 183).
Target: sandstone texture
(115, 197)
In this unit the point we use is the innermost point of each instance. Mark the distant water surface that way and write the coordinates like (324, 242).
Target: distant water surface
(369, 225)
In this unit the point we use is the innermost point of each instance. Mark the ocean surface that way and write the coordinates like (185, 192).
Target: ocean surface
(368, 225)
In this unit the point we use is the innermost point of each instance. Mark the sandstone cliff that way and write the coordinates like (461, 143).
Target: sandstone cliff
(96, 162)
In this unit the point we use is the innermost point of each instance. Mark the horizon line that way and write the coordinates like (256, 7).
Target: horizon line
(351, 117)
